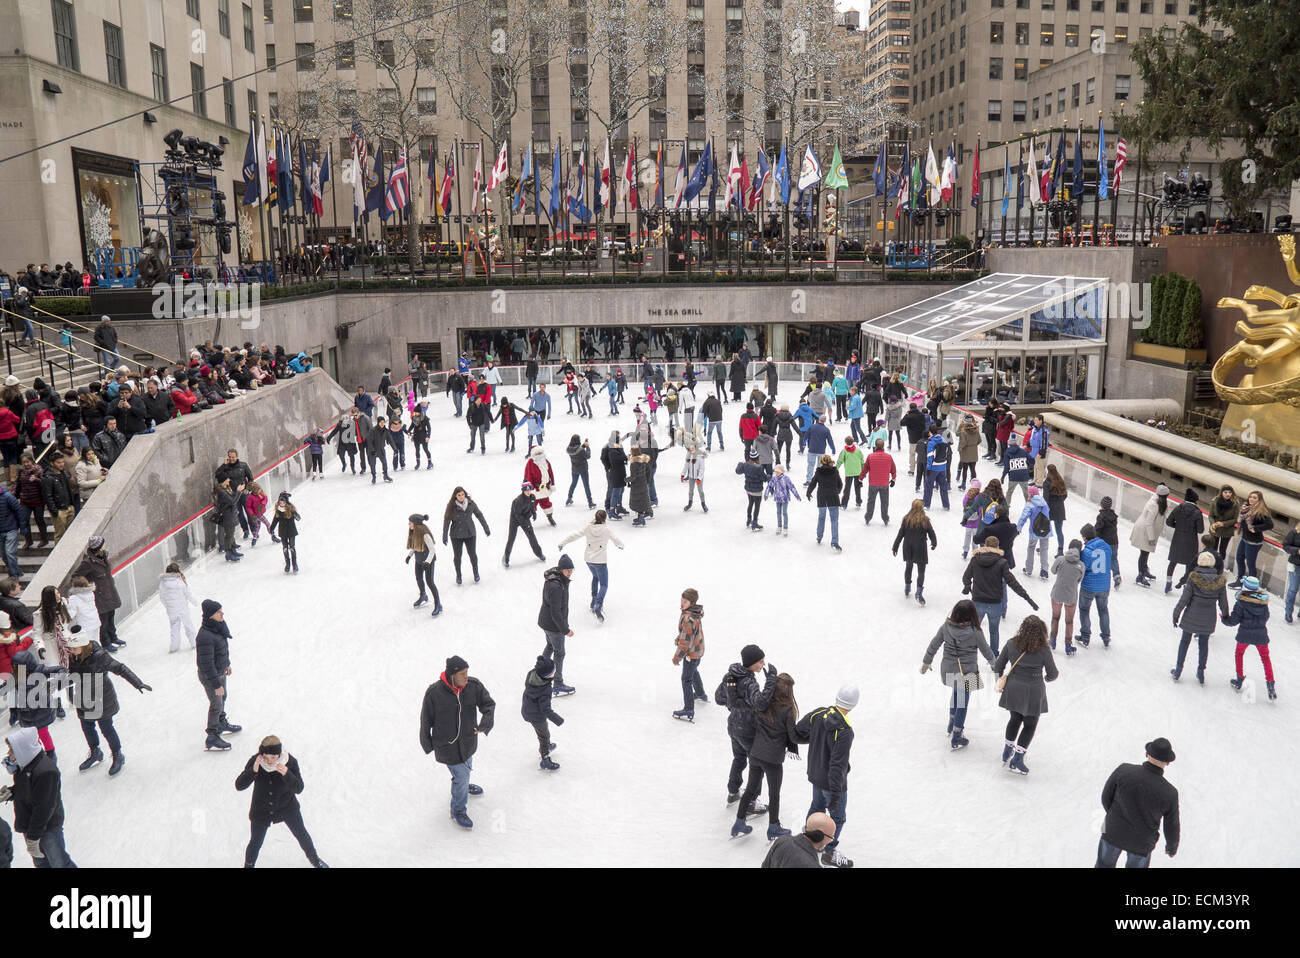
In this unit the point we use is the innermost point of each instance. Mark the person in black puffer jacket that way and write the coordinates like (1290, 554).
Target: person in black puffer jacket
(1136, 798)
(579, 452)
(913, 532)
(537, 710)
(523, 510)
(212, 655)
(96, 700)
(1107, 528)
(774, 735)
(614, 459)
(277, 783)
(987, 576)
(456, 710)
(739, 693)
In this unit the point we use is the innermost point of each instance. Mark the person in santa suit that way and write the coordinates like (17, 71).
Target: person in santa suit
(538, 472)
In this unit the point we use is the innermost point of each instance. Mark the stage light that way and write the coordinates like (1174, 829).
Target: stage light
(173, 139)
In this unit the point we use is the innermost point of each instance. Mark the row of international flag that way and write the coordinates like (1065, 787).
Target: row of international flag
(270, 169)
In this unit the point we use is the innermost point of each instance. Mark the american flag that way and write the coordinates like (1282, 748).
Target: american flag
(398, 194)
(1121, 155)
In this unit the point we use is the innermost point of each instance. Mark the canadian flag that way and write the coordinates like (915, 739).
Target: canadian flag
(734, 187)
(500, 171)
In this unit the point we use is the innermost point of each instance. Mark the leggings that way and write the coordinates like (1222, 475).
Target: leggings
(258, 834)
(1263, 657)
(348, 456)
(1221, 548)
(992, 444)
(316, 465)
(468, 546)
(290, 550)
(1144, 569)
(36, 514)
(851, 484)
(419, 444)
(510, 443)
(784, 442)
(895, 439)
(424, 574)
(757, 769)
(1030, 723)
(1169, 571)
(751, 511)
(1057, 609)
(920, 574)
(965, 470)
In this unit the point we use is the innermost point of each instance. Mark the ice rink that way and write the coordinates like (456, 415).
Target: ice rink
(335, 661)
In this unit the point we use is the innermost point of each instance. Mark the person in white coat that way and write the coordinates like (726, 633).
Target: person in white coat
(1146, 532)
(177, 598)
(598, 536)
(81, 606)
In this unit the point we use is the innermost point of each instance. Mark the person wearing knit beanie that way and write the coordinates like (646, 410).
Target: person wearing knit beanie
(830, 740)
(537, 709)
(456, 715)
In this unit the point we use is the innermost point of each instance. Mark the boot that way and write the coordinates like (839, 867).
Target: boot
(919, 597)
(1272, 692)
(958, 740)
(548, 765)
(295, 561)
(1169, 586)
(1177, 673)
(437, 609)
(118, 761)
(550, 518)
(831, 858)
(1017, 763)
(227, 729)
(685, 715)
(94, 758)
(215, 743)
(421, 600)
(1007, 749)
(740, 828)
(1236, 683)
(775, 831)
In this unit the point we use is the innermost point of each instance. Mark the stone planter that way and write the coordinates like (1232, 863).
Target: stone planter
(1168, 355)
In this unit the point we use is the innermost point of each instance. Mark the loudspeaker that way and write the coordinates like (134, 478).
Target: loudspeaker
(341, 332)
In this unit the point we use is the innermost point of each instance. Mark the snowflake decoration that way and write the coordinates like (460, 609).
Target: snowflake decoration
(98, 223)
(245, 225)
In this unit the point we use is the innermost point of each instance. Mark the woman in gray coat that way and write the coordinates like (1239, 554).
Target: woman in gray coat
(1194, 613)
(1025, 694)
(962, 642)
(1068, 571)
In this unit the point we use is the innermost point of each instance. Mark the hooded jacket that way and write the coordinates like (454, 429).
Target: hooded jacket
(449, 717)
(1006, 533)
(1017, 465)
(852, 459)
(1250, 615)
(554, 614)
(830, 739)
(579, 455)
(690, 634)
(614, 459)
(968, 442)
(1036, 505)
(775, 735)
(755, 477)
(94, 566)
(739, 693)
(536, 706)
(985, 574)
(638, 499)
(1203, 590)
(1067, 569)
(765, 445)
(962, 646)
(212, 651)
(1107, 527)
(37, 791)
(780, 488)
(914, 422)
(175, 594)
(827, 483)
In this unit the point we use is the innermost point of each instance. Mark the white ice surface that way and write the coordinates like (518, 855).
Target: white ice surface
(335, 661)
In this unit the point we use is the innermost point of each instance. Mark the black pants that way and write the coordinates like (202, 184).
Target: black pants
(751, 511)
(510, 439)
(316, 465)
(1221, 549)
(419, 444)
(399, 457)
(739, 759)
(258, 834)
(757, 769)
(992, 440)
(1014, 725)
(361, 454)
(920, 574)
(720, 387)
(107, 628)
(872, 493)
(290, 550)
(468, 546)
(379, 457)
(841, 408)
(1169, 570)
(965, 471)
(1144, 570)
(36, 514)
(424, 575)
(527, 528)
(543, 737)
(787, 441)
(852, 484)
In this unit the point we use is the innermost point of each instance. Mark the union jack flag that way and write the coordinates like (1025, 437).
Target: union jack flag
(398, 194)
(1121, 155)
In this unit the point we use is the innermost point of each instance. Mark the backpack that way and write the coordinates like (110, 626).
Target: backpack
(942, 453)
(989, 514)
(1041, 525)
(725, 691)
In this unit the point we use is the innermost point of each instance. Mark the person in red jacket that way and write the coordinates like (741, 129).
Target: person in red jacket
(538, 472)
(9, 423)
(1006, 425)
(881, 473)
(750, 423)
(183, 397)
(10, 645)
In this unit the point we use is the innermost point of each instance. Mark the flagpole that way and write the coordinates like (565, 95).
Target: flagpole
(334, 213)
(434, 206)
(1020, 179)
(1096, 198)
(1137, 194)
(1114, 192)
(460, 209)
(260, 167)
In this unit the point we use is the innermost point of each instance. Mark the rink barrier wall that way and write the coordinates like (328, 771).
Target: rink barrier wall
(163, 481)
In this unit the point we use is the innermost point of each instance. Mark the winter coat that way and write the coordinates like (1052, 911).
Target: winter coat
(804, 417)
(1055, 504)
(1188, 523)
(819, 439)
(830, 739)
(579, 455)
(56, 490)
(693, 465)
(962, 646)
(1034, 507)
(970, 517)
(1252, 530)
(914, 422)
(614, 459)
(286, 525)
(523, 510)
(1136, 798)
(749, 425)
(739, 693)
(913, 540)
(536, 705)
(275, 796)
(1106, 526)
(1291, 546)
(28, 486)
(780, 489)
(765, 445)
(1006, 423)
(855, 406)
(1250, 615)
(852, 459)
(227, 508)
(13, 514)
(96, 700)
(1017, 466)
(159, 408)
(1098, 560)
(81, 609)
(817, 401)
(894, 415)
(212, 651)
(690, 634)
(775, 734)
(461, 523)
(1201, 593)
(1067, 570)
(792, 851)
(31, 677)
(11, 648)
(1006, 532)
(1026, 690)
(711, 409)
(1148, 525)
(986, 572)
(639, 479)
(968, 442)
(598, 536)
(737, 374)
(881, 469)
(95, 567)
(828, 484)
(755, 477)
(785, 425)
(175, 593)
(554, 614)
(1223, 516)
(449, 716)
(37, 795)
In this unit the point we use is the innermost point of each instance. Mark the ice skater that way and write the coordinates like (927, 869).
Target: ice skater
(286, 523)
(598, 536)
(553, 618)
(537, 709)
(456, 710)
(538, 471)
(458, 521)
(689, 651)
(174, 592)
(96, 698)
(1024, 691)
(419, 546)
(277, 783)
(212, 653)
(962, 642)
(523, 510)
(1250, 615)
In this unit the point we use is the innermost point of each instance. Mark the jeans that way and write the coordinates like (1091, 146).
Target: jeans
(692, 684)
(56, 853)
(835, 522)
(855, 429)
(599, 586)
(106, 357)
(872, 493)
(458, 398)
(11, 554)
(813, 459)
(960, 703)
(782, 515)
(1292, 586)
(258, 833)
(105, 726)
(1108, 856)
(614, 501)
(993, 610)
(935, 479)
(1086, 599)
(1247, 552)
(1060, 535)
(613, 405)
(555, 652)
(532, 385)
(460, 784)
(1202, 650)
(1042, 545)
(708, 434)
(834, 804)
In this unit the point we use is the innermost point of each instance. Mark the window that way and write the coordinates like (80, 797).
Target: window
(248, 27)
(940, 81)
(1098, 6)
(1044, 62)
(1022, 4)
(65, 34)
(1071, 34)
(346, 55)
(305, 54)
(1018, 111)
(1144, 32)
(1074, 95)
(995, 3)
(1216, 34)
(1047, 34)
(963, 36)
(1171, 9)
(113, 54)
(1022, 34)
(1072, 5)
(1090, 90)
(268, 11)
(995, 111)
(273, 105)
(308, 105)
(1146, 7)
(424, 53)
(995, 32)
(1121, 6)
(252, 102)
(913, 96)
(386, 97)
(223, 17)
(1121, 34)
(1095, 34)
(995, 68)
(198, 91)
(426, 100)
(1049, 4)
(228, 100)
(345, 101)
(1192, 9)
(192, 8)
(384, 53)
(1047, 105)
(270, 54)
(961, 108)
(961, 72)
(950, 76)
(158, 63)
(342, 9)
(1166, 33)
(1060, 100)
(1035, 108)
(1022, 68)
(302, 11)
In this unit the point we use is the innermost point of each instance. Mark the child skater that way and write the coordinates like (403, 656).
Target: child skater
(693, 476)
(972, 520)
(286, 521)
(177, 598)
(397, 440)
(780, 488)
(255, 505)
(537, 708)
(1250, 615)
(690, 649)
(316, 447)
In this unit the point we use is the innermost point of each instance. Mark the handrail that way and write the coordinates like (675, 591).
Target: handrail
(141, 349)
(67, 352)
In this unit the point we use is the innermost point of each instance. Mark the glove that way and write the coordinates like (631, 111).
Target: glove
(1033, 605)
(966, 591)
(444, 540)
(771, 670)
(34, 849)
(891, 483)
(925, 667)
(408, 558)
(557, 720)
(6, 794)
(145, 688)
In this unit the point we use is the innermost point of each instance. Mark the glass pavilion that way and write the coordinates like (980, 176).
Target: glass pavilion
(1026, 339)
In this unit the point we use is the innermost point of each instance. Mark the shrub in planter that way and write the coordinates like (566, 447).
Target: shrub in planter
(1191, 334)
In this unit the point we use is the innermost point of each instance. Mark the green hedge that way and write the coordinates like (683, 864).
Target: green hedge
(63, 305)
(1175, 313)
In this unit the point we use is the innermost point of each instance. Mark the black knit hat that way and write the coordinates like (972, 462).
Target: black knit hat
(751, 654)
(456, 664)
(1190, 495)
(545, 667)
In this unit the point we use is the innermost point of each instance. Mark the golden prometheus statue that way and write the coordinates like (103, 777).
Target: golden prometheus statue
(1269, 391)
